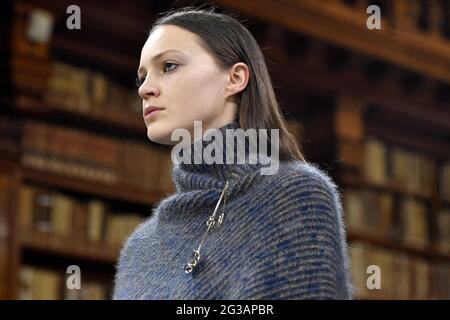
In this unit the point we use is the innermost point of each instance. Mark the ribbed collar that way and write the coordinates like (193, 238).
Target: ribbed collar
(200, 175)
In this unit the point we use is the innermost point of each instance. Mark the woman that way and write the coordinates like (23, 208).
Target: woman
(228, 232)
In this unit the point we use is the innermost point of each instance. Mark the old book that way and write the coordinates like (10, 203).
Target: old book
(29, 76)
(386, 214)
(79, 229)
(95, 220)
(99, 89)
(444, 181)
(44, 201)
(385, 260)
(354, 211)
(5, 196)
(26, 273)
(358, 251)
(351, 152)
(414, 223)
(440, 280)
(348, 119)
(50, 288)
(37, 283)
(399, 167)
(93, 290)
(403, 276)
(25, 208)
(421, 279)
(61, 215)
(375, 162)
(443, 227)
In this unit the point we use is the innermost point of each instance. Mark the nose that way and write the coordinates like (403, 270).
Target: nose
(148, 89)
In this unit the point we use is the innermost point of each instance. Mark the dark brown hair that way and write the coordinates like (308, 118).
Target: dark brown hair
(230, 42)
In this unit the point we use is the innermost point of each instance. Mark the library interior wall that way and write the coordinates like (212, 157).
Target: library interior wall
(78, 174)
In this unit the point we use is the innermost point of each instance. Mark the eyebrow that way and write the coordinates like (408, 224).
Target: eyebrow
(157, 56)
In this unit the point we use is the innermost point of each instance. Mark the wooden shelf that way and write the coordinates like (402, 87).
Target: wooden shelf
(391, 132)
(117, 119)
(119, 59)
(47, 243)
(118, 192)
(346, 27)
(386, 188)
(124, 193)
(102, 56)
(127, 24)
(427, 253)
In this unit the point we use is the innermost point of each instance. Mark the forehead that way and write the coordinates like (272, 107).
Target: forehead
(170, 37)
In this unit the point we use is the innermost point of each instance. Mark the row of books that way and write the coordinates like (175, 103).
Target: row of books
(404, 219)
(443, 227)
(82, 89)
(369, 212)
(5, 187)
(79, 154)
(10, 130)
(64, 85)
(393, 166)
(444, 184)
(29, 63)
(401, 276)
(40, 283)
(80, 222)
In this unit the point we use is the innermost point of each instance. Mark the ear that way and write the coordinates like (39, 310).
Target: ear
(238, 77)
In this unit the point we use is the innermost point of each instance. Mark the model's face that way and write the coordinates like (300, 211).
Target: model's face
(185, 82)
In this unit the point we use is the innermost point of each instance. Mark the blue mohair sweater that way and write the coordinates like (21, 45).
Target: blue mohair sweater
(282, 236)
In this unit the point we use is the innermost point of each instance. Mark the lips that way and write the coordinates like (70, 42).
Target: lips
(150, 109)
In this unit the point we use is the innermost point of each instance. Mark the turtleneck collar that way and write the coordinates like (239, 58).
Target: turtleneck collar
(198, 174)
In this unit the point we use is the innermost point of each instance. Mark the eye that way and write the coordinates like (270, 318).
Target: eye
(139, 81)
(169, 64)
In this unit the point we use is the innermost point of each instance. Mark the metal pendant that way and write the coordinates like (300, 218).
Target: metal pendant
(212, 224)
(193, 262)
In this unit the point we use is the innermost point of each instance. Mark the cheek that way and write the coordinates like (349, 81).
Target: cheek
(198, 92)
(191, 95)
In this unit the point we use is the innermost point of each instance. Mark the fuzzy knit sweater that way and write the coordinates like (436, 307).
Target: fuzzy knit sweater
(282, 236)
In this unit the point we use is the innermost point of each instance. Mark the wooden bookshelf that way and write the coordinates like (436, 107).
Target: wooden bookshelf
(392, 43)
(118, 119)
(50, 244)
(319, 75)
(82, 186)
(87, 52)
(396, 134)
(123, 193)
(429, 253)
(105, 117)
(352, 183)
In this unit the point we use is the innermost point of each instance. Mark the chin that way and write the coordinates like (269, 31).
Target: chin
(158, 136)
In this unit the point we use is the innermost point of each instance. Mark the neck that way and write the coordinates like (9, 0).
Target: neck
(214, 159)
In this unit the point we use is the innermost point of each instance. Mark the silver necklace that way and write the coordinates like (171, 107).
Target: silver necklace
(211, 223)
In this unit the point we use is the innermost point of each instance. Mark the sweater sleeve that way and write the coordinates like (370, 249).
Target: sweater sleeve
(305, 230)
